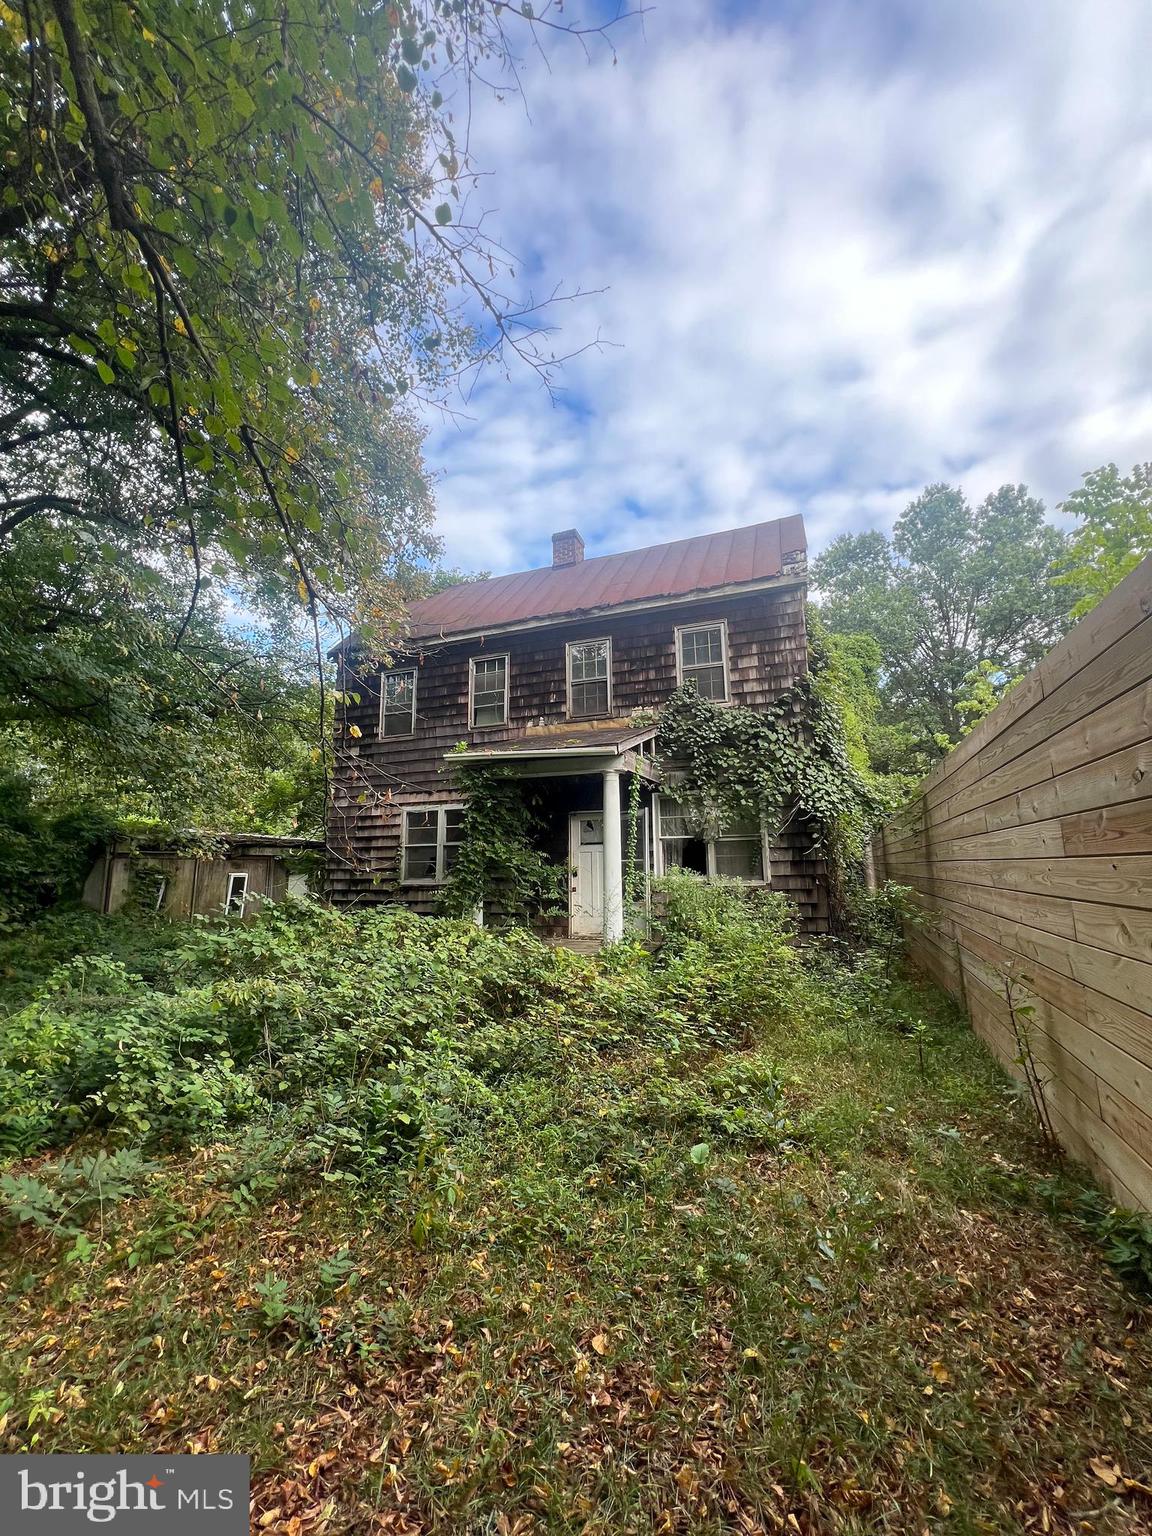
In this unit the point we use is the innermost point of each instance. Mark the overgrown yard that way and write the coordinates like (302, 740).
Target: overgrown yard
(453, 1232)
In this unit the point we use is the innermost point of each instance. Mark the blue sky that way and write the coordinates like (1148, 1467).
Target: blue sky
(839, 249)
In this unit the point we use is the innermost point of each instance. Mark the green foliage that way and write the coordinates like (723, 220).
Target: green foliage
(98, 704)
(64, 1194)
(983, 688)
(1115, 532)
(44, 853)
(224, 276)
(345, 1043)
(728, 952)
(790, 757)
(847, 672)
(500, 866)
(955, 586)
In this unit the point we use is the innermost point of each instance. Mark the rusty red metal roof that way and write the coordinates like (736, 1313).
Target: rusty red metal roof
(710, 560)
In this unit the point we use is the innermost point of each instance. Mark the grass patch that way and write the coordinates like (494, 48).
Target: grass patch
(651, 1262)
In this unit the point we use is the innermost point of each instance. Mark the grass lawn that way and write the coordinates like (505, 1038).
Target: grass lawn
(817, 1281)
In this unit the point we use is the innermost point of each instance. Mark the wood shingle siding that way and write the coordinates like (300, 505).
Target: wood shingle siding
(1030, 846)
(378, 778)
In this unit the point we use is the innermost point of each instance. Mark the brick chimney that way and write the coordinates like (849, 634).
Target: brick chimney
(567, 548)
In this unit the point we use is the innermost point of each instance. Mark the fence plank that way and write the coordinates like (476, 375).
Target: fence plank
(1030, 850)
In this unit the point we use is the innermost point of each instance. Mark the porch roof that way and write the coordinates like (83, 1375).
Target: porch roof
(563, 743)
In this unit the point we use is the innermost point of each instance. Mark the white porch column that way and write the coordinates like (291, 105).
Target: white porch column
(613, 869)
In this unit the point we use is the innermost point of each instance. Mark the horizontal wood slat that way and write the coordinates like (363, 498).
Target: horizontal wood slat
(1030, 850)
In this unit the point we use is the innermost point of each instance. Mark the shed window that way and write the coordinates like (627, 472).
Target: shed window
(489, 690)
(237, 893)
(398, 703)
(432, 840)
(589, 677)
(702, 658)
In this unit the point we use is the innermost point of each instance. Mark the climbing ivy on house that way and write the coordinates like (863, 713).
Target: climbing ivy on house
(500, 866)
(787, 760)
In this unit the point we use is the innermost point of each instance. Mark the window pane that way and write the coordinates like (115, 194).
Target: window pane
(673, 851)
(420, 863)
(741, 858)
(592, 829)
(742, 826)
(590, 698)
(453, 824)
(397, 705)
(673, 822)
(709, 681)
(489, 690)
(589, 661)
(421, 827)
(700, 647)
(451, 854)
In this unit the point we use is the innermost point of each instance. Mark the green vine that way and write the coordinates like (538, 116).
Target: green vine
(633, 876)
(789, 758)
(499, 866)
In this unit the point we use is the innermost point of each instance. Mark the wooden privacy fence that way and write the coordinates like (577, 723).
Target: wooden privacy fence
(1030, 847)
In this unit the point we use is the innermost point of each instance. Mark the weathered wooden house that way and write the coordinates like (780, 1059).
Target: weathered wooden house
(557, 674)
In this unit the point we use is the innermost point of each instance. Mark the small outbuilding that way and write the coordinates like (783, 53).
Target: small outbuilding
(201, 874)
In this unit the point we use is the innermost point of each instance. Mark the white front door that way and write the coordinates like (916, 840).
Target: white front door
(586, 856)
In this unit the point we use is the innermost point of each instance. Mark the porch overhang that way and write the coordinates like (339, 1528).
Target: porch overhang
(546, 751)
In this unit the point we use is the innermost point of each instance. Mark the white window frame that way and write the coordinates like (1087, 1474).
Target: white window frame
(688, 629)
(494, 725)
(161, 893)
(568, 649)
(709, 846)
(397, 672)
(422, 810)
(231, 904)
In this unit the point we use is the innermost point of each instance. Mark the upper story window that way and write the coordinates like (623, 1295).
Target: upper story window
(431, 844)
(702, 656)
(398, 703)
(488, 690)
(589, 678)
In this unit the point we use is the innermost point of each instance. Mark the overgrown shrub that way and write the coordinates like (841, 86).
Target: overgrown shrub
(44, 854)
(728, 956)
(350, 1037)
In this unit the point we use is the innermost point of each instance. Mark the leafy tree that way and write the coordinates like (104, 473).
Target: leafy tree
(230, 237)
(97, 705)
(1115, 512)
(955, 586)
(846, 672)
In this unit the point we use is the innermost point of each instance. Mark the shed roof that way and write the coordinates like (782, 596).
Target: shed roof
(686, 566)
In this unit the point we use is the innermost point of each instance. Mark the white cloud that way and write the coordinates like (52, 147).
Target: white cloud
(842, 257)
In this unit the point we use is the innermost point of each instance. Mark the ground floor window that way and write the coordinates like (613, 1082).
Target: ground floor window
(237, 893)
(737, 850)
(431, 843)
